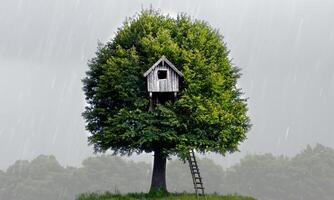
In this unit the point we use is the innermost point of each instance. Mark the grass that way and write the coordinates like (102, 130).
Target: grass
(170, 196)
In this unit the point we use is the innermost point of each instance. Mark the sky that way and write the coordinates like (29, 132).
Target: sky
(284, 49)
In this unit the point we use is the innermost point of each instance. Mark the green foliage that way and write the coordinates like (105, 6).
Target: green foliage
(309, 175)
(143, 196)
(209, 115)
(44, 179)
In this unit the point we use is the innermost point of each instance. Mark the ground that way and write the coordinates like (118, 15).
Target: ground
(143, 196)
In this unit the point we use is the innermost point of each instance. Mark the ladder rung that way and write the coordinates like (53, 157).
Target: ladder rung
(197, 180)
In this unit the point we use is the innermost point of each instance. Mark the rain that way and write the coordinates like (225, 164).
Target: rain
(283, 48)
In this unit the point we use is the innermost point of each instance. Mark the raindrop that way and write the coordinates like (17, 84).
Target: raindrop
(287, 133)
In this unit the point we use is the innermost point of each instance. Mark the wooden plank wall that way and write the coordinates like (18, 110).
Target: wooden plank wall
(171, 84)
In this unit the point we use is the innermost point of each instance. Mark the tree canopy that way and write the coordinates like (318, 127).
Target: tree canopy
(209, 114)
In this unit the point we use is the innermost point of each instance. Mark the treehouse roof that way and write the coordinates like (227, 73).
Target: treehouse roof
(163, 59)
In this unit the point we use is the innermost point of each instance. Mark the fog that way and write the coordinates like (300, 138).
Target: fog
(283, 47)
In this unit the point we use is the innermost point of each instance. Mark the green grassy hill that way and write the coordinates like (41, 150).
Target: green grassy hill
(143, 196)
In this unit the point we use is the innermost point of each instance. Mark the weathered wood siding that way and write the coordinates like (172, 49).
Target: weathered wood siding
(170, 84)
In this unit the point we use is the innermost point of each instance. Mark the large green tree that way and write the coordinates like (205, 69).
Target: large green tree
(209, 114)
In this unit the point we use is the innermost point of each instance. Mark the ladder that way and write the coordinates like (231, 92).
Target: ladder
(197, 179)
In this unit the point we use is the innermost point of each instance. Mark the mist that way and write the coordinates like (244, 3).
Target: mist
(283, 48)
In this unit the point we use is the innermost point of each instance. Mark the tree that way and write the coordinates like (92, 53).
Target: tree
(209, 115)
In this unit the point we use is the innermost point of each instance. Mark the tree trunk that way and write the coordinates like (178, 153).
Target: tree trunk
(159, 172)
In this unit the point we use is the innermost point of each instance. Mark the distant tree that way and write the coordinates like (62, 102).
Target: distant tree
(179, 176)
(3, 179)
(42, 178)
(209, 115)
(309, 175)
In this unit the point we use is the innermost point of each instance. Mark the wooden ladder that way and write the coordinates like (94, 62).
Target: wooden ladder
(197, 179)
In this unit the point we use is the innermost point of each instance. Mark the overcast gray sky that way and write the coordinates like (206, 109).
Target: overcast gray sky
(285, 49)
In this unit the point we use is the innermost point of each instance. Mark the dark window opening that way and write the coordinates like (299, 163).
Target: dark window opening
(162, 74)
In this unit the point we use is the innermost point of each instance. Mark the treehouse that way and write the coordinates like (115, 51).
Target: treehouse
(163, 84)
(163, 77)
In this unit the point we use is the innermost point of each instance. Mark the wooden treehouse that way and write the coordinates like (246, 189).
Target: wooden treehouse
(163, 84)
(163, 81)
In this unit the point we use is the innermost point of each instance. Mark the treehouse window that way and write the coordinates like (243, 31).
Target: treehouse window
(162, 74)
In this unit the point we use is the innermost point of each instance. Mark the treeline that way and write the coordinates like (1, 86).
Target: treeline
(308, 176)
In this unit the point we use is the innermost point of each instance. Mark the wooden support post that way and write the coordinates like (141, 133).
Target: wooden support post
(150, 109)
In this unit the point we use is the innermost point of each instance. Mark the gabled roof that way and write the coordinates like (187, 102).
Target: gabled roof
(163, 59)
